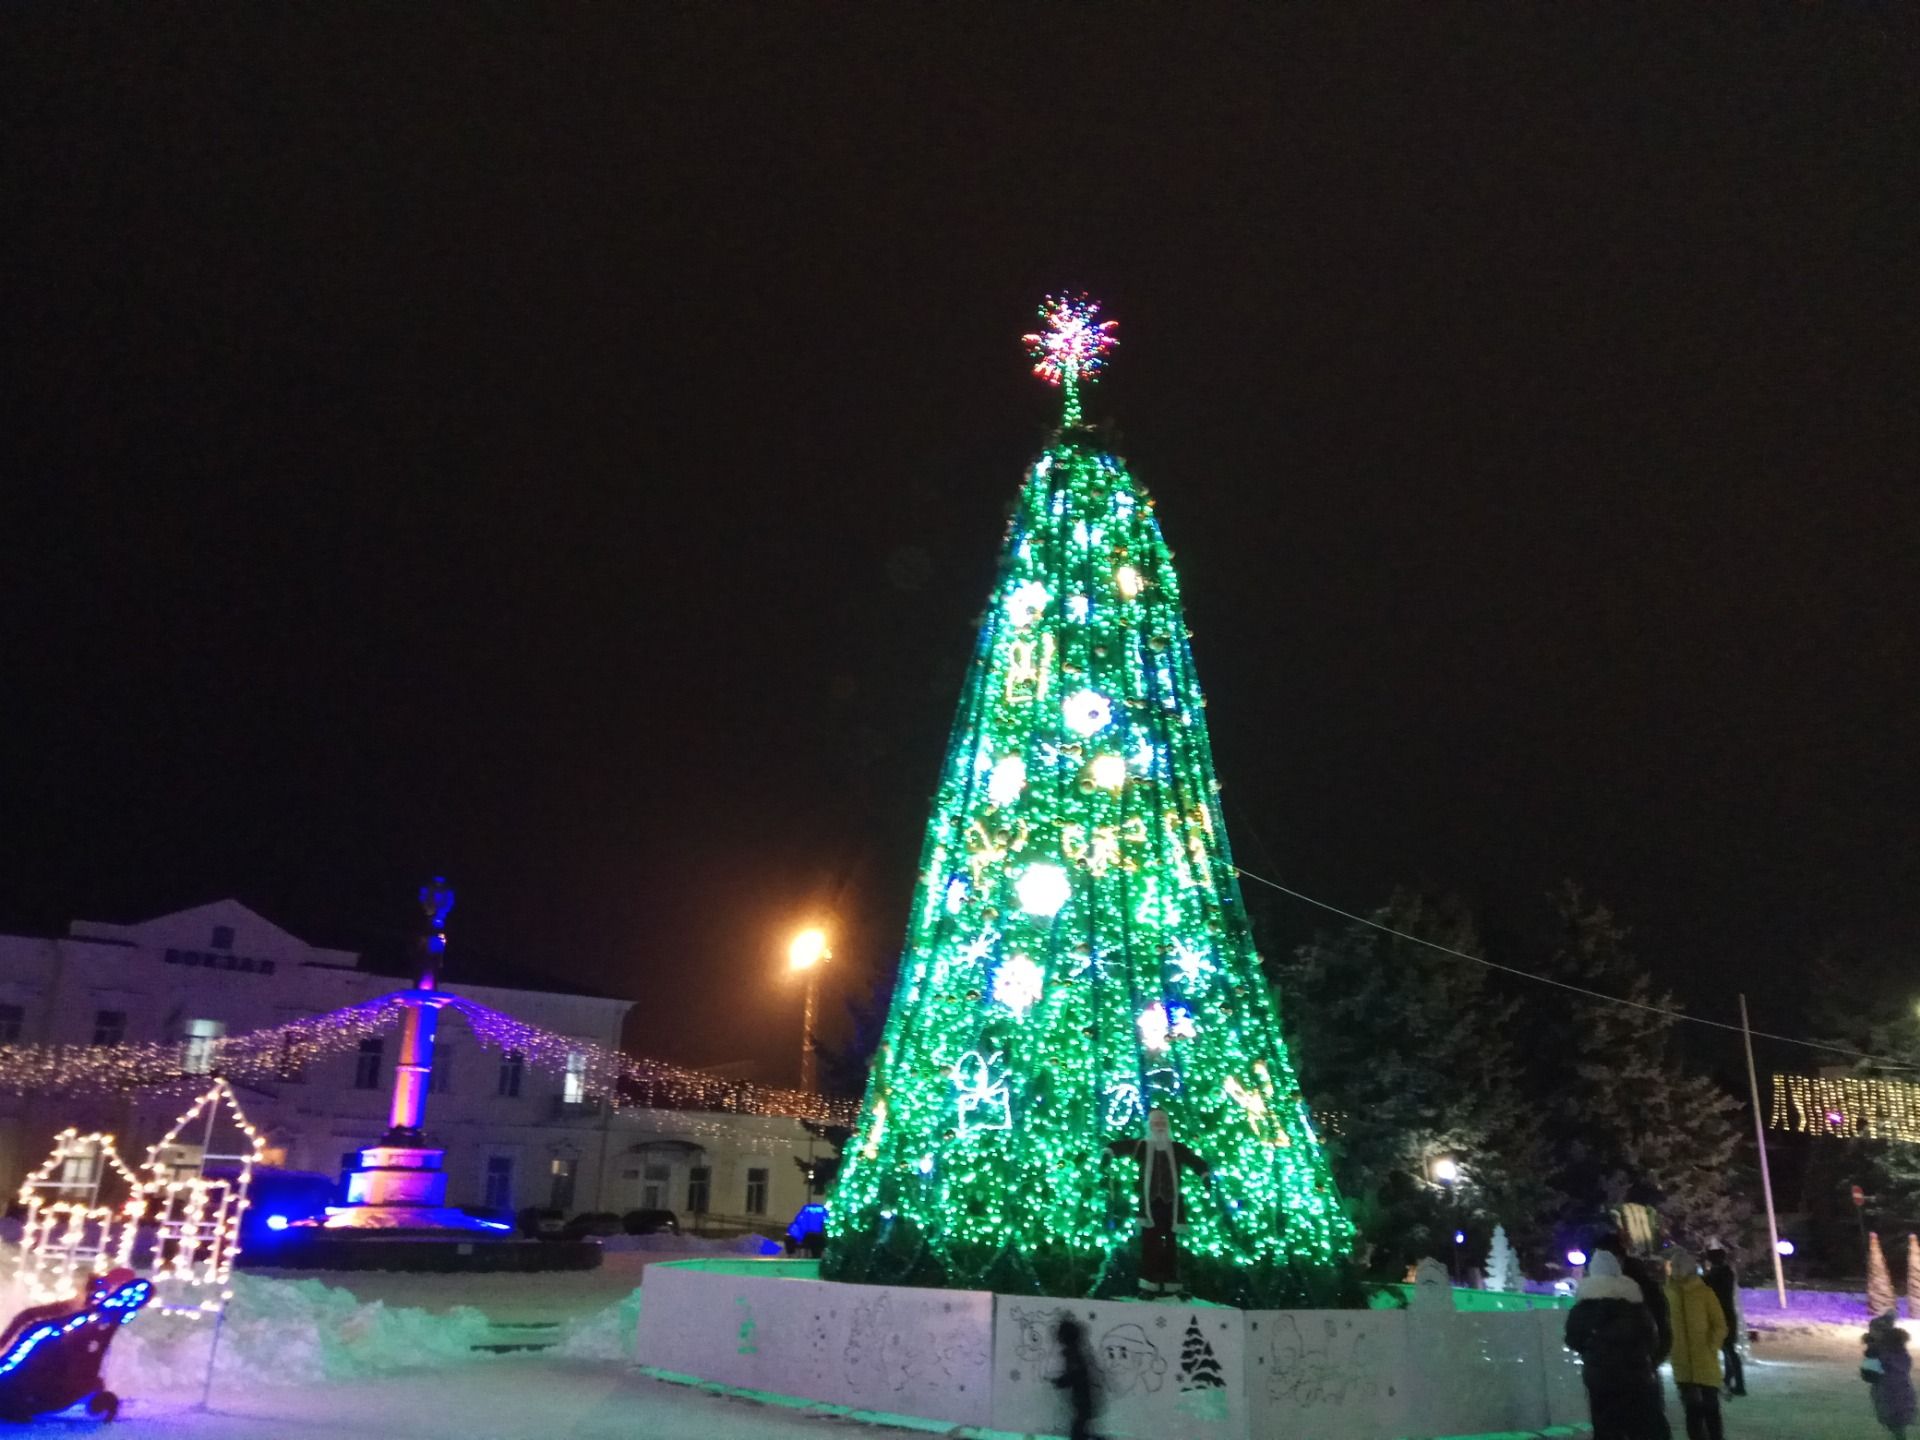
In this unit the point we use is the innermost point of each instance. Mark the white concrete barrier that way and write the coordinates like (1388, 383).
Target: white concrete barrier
(767, 1325)
(969, 1358)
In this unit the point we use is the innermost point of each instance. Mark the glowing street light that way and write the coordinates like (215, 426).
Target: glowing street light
(1446, 1170)
(806, 954)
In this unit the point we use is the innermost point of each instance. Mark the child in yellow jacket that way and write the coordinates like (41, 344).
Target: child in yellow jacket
(1699, 1330)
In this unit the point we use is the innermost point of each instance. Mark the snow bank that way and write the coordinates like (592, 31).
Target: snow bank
(1807, 1312)
(291, 1332)
(606, 1335)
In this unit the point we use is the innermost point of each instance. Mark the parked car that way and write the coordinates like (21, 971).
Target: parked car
(650, 1222)
(593, 1223)
(538, 1222)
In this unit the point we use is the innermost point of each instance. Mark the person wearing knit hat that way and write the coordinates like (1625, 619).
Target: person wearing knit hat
(1612, 1330)
(1889, 1369)
(1699, 1330)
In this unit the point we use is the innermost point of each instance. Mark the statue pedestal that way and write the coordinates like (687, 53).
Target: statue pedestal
(402, 1187)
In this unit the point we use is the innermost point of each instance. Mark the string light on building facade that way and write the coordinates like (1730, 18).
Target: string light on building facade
(282, 1052)
(1847, 1107)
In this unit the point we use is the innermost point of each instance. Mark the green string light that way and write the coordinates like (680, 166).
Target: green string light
(1078, 951)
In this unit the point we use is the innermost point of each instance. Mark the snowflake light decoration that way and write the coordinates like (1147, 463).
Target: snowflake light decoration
(1017, 984)
(1072, 347)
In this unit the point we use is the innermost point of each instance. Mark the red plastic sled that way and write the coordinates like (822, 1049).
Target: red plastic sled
(50, 1356)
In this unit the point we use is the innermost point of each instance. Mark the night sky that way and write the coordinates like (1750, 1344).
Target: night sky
(565, 446)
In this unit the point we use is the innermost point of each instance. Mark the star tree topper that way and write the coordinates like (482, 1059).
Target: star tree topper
(1072, 347)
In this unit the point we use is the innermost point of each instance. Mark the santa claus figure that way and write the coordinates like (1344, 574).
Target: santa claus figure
(1162, 1215)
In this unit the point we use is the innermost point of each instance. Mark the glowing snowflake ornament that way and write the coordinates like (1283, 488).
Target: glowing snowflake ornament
(1154, 1025)
(1009, 778)
(1043, 889)
(1087, 712)
(1017, 984)
(1028, 600)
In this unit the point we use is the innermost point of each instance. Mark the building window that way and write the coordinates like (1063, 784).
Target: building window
(699, 1189)
(366, 1065)
(756, 1191)
(201, 1037)
(499, 1182)
(560, 1197)
(442, 1070)
(574, 1087)
(12, 1017)
(653, 1193)
(78, 1172)
(109, 1027)
(223, 937)
(512, 1064)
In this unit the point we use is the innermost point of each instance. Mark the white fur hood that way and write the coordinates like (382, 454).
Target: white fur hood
(1609, 1287)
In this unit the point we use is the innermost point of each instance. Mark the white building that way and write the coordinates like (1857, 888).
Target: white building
(515, 1136)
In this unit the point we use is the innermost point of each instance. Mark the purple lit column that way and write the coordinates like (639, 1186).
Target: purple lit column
(413, 1074)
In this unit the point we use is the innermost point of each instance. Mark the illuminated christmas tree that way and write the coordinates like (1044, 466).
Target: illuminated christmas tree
(1078, 951)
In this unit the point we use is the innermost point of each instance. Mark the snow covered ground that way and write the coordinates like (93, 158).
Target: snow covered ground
(342, 1357)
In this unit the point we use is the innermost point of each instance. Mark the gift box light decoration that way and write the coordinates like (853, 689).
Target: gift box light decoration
(196, 1196)
(84, 1207)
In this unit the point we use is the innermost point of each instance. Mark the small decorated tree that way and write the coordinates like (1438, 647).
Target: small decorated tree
(1913, 1277)
(1880, 1297)
(1503, 1266)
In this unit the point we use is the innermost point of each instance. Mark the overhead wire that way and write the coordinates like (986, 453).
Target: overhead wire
(1666, 1011)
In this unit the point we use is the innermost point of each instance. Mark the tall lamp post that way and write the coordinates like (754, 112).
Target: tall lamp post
(1445, 1171)
(806, 954)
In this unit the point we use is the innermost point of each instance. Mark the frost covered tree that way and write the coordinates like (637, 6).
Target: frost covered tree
(1879, 1282)
(1503, 1266)
(1630, 1120)
(1408, 1052)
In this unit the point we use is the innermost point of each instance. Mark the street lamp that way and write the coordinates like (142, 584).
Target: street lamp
(806, 954)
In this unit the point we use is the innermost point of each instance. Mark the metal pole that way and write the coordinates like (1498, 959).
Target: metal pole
(213, 1351)
(807, 1057)
(1766, 1176)
(220, 1316)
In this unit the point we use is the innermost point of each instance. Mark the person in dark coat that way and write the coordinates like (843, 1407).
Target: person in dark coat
(1720, 1280)
(1889, 1369)
(1652, 1290)
(1076, 1376)
(1611, 1328)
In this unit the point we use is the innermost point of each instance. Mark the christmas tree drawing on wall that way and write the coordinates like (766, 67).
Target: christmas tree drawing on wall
(1078, 953)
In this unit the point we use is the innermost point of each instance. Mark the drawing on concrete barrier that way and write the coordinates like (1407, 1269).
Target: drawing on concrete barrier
(1128, 1361)
(1037, 1344)
(1318, 1370)
(1203, 1386)
(747, 1326)
(890, 1354)
(1199, 1367)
